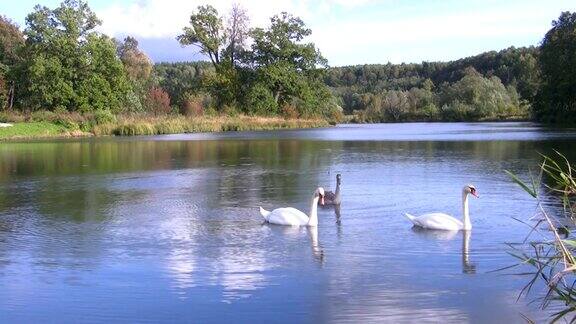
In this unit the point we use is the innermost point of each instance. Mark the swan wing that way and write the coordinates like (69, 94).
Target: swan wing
(329, 195)
(287, 216)
(439, 221)
(331, 198)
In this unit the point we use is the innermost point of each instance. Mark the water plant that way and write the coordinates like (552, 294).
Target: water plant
(552, 255)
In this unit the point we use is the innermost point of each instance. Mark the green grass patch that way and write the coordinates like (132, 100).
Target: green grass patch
(32, 130)
(47, 124)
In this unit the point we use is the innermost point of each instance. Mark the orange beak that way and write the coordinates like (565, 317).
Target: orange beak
(321, 199)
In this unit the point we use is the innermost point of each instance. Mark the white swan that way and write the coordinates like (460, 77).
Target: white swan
(294, 217)
(441, 221)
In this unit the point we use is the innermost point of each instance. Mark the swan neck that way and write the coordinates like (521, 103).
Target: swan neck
(313, 217)
(465, 214)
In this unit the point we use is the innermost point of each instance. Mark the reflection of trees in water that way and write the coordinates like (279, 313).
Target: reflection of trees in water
(124, 155)
(106, 156)
(266, 170)
(484, 150)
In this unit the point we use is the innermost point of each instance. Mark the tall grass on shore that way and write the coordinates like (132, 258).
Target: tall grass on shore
(150, 125)
(102, 123)
(552, 255)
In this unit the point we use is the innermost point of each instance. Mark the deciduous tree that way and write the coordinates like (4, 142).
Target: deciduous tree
(67, 64)
(557, 97)
(11, 42)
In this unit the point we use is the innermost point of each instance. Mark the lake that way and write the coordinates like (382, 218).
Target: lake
(167, 229)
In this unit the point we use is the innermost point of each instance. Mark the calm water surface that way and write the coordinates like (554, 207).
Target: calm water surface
(166, 229)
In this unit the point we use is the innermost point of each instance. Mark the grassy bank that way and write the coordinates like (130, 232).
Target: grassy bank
(46, 124)
(29, 130)
(181, 124)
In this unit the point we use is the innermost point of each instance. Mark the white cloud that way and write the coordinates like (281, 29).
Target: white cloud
(364, 31)
(161, 18)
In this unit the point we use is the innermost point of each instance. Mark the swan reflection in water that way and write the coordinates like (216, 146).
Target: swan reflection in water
(317, 250)
(468, 267)
(294, 234)
(338, 216)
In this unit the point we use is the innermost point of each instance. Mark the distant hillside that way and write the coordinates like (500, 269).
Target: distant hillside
(516, 69)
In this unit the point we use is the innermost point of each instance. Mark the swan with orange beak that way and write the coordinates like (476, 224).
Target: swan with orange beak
(293, 217)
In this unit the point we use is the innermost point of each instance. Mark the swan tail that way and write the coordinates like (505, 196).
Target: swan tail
(412, 218)
(264, 213)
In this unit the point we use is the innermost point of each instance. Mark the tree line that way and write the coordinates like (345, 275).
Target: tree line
(529, 82)
(59, 62)
(491, 85)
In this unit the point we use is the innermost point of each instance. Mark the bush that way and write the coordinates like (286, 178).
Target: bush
(66, 121)
(104, 117)
(43, 115)
(289, 111)
(11, 117)
(230, 111)
(260, 101)
(195, 105)
(336, 116)
(429, 112)
(157, 101)
(132, 102)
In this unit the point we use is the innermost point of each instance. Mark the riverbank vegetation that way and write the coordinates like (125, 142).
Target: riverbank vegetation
(60, 63)
(101, 123)
(552, 253)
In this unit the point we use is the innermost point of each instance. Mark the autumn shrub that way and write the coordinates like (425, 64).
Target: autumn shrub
(157, 101)
(289, 111)
(335, 116)
(192, 106)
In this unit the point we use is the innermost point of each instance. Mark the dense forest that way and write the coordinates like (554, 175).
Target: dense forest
(491, 85)
(60, 63)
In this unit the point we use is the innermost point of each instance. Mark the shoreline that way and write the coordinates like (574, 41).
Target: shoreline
(163, 125)
(151, 125)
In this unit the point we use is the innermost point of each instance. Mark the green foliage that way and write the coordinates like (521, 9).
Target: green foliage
(427, 83)
(138, 70)
(474, 97)
(282, 60)
(69, 65)
(182, 79)
(556, 100)
(11, 42)
(206, 31)
(104, 117)
(260, 101)
(279, 68)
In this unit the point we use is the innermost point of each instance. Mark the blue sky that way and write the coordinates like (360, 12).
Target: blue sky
(346, 31)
